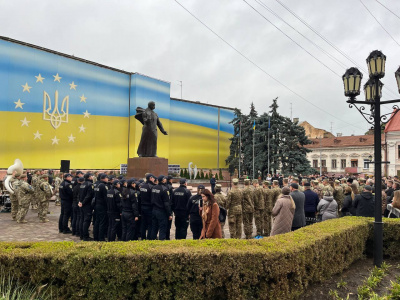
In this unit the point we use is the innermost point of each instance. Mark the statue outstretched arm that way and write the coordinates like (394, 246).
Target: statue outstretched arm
(161, 127)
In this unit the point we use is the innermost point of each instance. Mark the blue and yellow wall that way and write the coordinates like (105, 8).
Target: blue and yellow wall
(55, 107)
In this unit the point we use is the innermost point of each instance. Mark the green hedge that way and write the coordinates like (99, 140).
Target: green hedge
(279, 267)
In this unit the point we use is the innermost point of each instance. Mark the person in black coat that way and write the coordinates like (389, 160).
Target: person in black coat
(195, 221)
(66, 196)
(161, 209)
(76, 214)
(347, 206)
(146, 206)
(299, 219)
(114, 210)
(130, 211)
(180, 199)
(311, 201)
(100, 208)
(86, 194)
(168, 184)
(364, 203)
(213, 182)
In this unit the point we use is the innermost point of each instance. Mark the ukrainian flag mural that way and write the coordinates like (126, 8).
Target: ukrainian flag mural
(55, 107)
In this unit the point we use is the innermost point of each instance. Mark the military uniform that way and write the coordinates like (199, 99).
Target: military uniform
(57, 182)
(45, 194)
(259, 207)
(35, 184)
(24, 195)
(338, 195)
(15, 182)
(234, 207)
(221, 201)
(268, 194)
(247, 210)
(317, 189)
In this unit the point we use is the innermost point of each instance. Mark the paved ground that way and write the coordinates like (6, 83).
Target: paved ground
(36, 231)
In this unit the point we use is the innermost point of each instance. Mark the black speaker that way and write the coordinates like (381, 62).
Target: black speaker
(64, 166)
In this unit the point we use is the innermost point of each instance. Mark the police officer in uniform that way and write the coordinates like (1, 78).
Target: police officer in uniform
(76, 213)
(195, 221)
(130, 211)
(65, 190)
(146, 206)
(100, 208)
(180, 199)
(86, 194)
(161, 209)
(168, 184)
(114, 210)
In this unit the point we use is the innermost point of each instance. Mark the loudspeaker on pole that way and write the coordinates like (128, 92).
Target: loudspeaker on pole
(64, 166)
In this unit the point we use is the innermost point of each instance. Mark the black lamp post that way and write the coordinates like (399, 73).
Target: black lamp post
(373, 93)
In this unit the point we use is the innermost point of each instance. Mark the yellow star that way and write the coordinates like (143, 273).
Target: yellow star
(26, 88)
(71, 138)
(25, 122)
(55, 140)
(87, 114)
(83, 98)
(19, 104)
(37, 135)
(39, 78)
(72, 86)
(82, 129)
(57, 78)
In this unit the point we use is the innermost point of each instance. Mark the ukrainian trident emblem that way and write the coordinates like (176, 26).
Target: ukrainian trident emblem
(55, 116)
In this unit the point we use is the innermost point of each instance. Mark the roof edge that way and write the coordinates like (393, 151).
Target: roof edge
(201, 103)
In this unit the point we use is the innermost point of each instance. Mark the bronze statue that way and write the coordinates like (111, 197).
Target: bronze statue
(150, 121)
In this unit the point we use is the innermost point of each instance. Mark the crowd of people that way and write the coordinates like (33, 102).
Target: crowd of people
(130, 209)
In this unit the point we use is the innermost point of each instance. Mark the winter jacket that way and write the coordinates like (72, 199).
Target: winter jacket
(364, 204)
(282, 214)
(327, 207)
(311, 201)
(348, 209)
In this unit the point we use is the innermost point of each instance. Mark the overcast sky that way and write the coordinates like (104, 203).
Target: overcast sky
(162, 40)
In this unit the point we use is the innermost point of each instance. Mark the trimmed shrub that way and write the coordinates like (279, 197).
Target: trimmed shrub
(279, 267)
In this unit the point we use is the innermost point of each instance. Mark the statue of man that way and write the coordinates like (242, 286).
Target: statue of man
(150, 121)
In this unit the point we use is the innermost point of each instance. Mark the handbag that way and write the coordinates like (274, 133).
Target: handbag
(222, 214)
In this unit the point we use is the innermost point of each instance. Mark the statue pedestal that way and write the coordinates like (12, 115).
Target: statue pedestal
(138, 166)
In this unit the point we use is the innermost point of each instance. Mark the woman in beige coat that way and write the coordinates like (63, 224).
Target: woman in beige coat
(283, 213)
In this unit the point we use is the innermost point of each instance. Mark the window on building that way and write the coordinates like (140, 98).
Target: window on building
(366, 163)
(333, 163)
(323, 163)
(354, 163)
(343, 164)
(315, 163)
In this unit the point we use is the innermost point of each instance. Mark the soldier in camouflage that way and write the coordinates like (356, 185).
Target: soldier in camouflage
(361, 185)
(44, 198)
(35, 184)
(296, 180)
(57, 182)
(221, 200)
(327, 187)
(276, 191)
(317, 189)
(338, 194)
(259, 205)
(15, 182)
(234, 207)
(24, 195)
(248, 208)
(268, 194)
(343, 183)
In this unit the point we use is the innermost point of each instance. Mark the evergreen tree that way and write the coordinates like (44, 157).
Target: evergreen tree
(185, 174)
(181, 173)
(216, 176)
(221, 177)
(237, 122)
(201, 174)
(206, 177)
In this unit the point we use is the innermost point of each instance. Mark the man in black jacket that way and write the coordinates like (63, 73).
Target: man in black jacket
(168, 184)
(100, 208)
(180, 199)
(76, 214)
(161, 209)
(114, 210)
(311, 201)
(195, 221)
(364, 203)
(86, 194)
(66, 196)
(146, 206)
(130, 212)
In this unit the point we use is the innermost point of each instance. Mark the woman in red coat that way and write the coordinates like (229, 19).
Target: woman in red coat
(210, 215)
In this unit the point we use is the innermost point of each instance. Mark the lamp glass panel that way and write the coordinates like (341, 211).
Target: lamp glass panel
(357, 83)
(351, 83)
(367, 92)
(379, 64)
(346, 85)
(398, 80)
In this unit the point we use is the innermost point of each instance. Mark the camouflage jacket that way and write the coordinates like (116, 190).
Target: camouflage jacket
(221, 199)
(247, 200)
(338, 195)
(275, 194)
(45, 191)
(24, 191)
(258, 198)
(35, 183)
(234, 201)
(268, 194)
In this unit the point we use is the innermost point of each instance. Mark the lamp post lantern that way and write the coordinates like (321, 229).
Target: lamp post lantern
(373, 93)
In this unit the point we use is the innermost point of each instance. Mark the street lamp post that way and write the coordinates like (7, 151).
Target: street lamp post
(373, 93)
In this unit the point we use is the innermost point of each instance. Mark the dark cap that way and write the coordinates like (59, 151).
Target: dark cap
(149, 175)
(160, 178)
(368, 188)
(87, 175)
(201, 187)
(182, 181)
(307, 184)
(121, 177)
(81, 179)
(79, 172)
(169, 177)
(295, 186)
(122, 181)
(141, 180)
(115, 182)
(103, 176)
(350, 180)
(131, 181)
(67, 175)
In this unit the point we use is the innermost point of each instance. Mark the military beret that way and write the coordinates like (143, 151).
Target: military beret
(218, 185)
(201, 187)
(255, 181)
(160, 178)
(235, 180)
(182, 181)
(23, 176)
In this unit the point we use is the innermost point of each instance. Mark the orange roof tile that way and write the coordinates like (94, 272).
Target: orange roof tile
(343, 141)
(393, 124)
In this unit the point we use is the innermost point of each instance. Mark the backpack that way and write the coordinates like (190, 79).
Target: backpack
(222, 214)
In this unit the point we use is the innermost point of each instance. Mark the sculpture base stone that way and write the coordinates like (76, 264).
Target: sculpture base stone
(139, 166)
